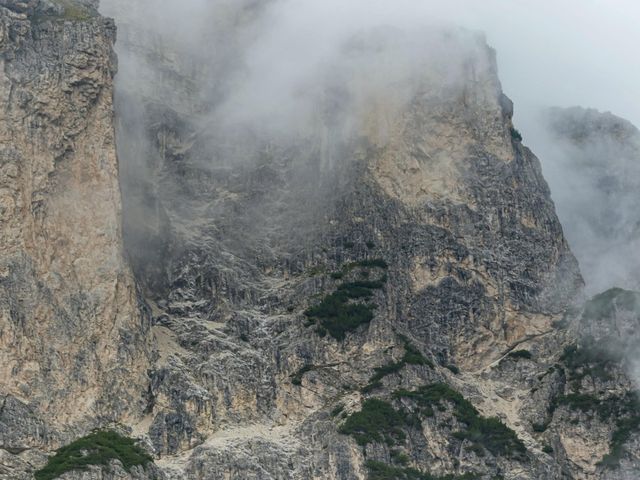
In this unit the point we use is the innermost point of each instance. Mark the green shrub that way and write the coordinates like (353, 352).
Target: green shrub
(360, 288)
(337, 316)
(587, 359)
(548, 449)
(583, 402)
(370, 245)
(493, 435)
(516, 135)
(540, 427)
(399, 457)
(624, 429)
(453, 369)
(488, 433)
(625, 410)
(412, 356)
(377, 421)
(296, 378)
(385, 370)
(337, 275)
(337, 410)
(517, 354)
(100, 449)
(371, 386)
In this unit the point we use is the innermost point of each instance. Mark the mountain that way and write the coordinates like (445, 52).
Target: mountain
(369, 281)
(597, 159)
(75, 337)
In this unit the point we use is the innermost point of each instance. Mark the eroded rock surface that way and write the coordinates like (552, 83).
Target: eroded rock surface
(385, 291)
(74, 342)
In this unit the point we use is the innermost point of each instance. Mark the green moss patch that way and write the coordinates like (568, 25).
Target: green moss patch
(100, 449)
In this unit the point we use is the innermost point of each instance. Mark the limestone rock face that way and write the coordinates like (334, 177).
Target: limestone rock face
(380, 290)
(73, 337)
(114, 472)
(247, 231)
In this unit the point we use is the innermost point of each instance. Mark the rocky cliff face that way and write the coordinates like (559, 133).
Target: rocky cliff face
(74, 338)
(385, 294)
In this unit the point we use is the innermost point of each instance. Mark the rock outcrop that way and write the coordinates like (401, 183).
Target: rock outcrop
(74, 341)
(433, 182)
(380, 290)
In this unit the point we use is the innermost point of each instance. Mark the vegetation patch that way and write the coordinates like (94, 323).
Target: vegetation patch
(377, 421)
(517, 354)
(316, 270)
(296, 378)
(540, 427)
(453, 369)
(586, 403)
(382, 471)
(587, 360)
(337, 314)
(412, 356)
(625, 427)
(516, 135)
(100, 449)
(624, 410)
(488, 433)
(337, 410)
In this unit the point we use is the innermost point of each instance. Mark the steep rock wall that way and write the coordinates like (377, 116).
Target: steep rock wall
(74, 348)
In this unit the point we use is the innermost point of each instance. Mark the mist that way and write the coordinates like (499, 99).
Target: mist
(244, 119)
(278, 71)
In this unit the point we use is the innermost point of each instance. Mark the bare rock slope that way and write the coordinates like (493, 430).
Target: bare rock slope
(385, 294)
(74, 342)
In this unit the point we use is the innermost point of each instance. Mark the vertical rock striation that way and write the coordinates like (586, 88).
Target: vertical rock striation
(73, 337)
